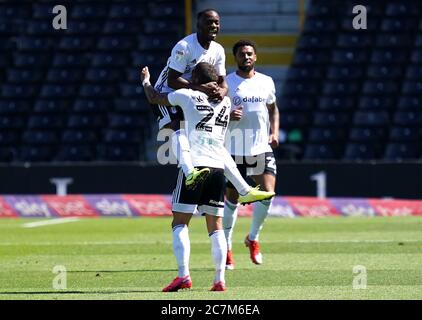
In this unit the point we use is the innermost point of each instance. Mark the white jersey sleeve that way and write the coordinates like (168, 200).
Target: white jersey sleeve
(180, 98)
(179, 58)
(220, 64)
(271, 95)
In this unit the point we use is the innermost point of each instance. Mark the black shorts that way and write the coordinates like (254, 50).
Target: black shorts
(166, 114)
(263, 163)
(207, 198)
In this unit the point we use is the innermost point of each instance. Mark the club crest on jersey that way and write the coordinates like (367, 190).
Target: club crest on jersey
(198, 99)
(237, 101)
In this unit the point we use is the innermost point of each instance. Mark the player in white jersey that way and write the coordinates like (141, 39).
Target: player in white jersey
(253, 131)
(206, 122)
(186, 54)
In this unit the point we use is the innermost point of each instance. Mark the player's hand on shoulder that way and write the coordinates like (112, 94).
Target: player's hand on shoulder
(273, 141)
(208, 88)
(237, 114)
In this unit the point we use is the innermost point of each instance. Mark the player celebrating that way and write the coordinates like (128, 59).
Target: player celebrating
(206, 123)
(254, 113)
(186, 54)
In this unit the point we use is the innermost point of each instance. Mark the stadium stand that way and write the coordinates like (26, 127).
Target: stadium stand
(74, 94)
(356, 94)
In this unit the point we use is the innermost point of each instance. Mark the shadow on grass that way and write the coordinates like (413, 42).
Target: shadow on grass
(141, 271)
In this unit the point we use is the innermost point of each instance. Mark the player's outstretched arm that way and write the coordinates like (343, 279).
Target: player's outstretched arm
(153, 96)
(176, 81)
(274, 123)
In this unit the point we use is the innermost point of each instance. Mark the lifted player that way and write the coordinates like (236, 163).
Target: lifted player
(206, 123)
(186, 54)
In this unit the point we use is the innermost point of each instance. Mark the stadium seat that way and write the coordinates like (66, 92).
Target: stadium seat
(165, 9)
(43, 137)
(86, 121)
(317, 25)
(14, 107)
(159, 26)
(318, 41)
(404, 24)
(45, 122)
(389, 56)
(122, 136)
(376, 103)
(350, 41)
(21, 76)
(404, 118)
(410, 103)
(61, 75)
(91, 91)
(401, 151)
(331, 119)
(79, 136)
(9, 138)
(326, 135)
(31, 59)
(11, 122)
(83, 27)
(89, 11)
(75, 153)
(91, 105)
(389, 72)
(158, 42)
(119, 152)
(371, 118)
(32, 43)
(51, 106)
(349, 57)
(412, 87)
(125, 121)
(414, 72)
(109, 60)
(367, 134)
(131, 105)
(127, 11)
(391, 40)
(19, 90)
(76, 43)
(321, 152)
(118, 43)
(299, 88)
(405, 134)
(35, 153)
(345, 72)
(336, 103)
(8, 154)
(359, 151)
(52, 91)
(307, 57)
(402, 9)
(73, 59)
(380, 87)
(416, 56)
(294, 120)
(104, 74)
(304, 72)
(340, 88)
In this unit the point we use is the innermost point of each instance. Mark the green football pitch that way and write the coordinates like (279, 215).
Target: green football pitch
(304, 258)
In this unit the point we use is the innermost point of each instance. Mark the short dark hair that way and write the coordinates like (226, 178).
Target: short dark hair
(243, 43)
(203, 12)
(205, 72)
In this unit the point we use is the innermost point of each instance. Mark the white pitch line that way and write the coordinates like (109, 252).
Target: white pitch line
(147, 242)
(49, 222)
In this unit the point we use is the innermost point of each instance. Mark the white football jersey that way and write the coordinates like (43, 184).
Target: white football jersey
(186, 54)
(249, 136)
(205, 124)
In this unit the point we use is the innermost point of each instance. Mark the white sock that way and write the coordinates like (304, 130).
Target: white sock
(229, 220)
(232, 173)
(260, 213)
(181, 149)
(219, 254)
(181, 248)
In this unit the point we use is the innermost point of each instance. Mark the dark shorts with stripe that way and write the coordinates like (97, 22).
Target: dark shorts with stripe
(263, 163)
(207, 198)
(165, 114)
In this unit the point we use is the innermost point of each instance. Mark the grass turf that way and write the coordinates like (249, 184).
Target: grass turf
(304, 258)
